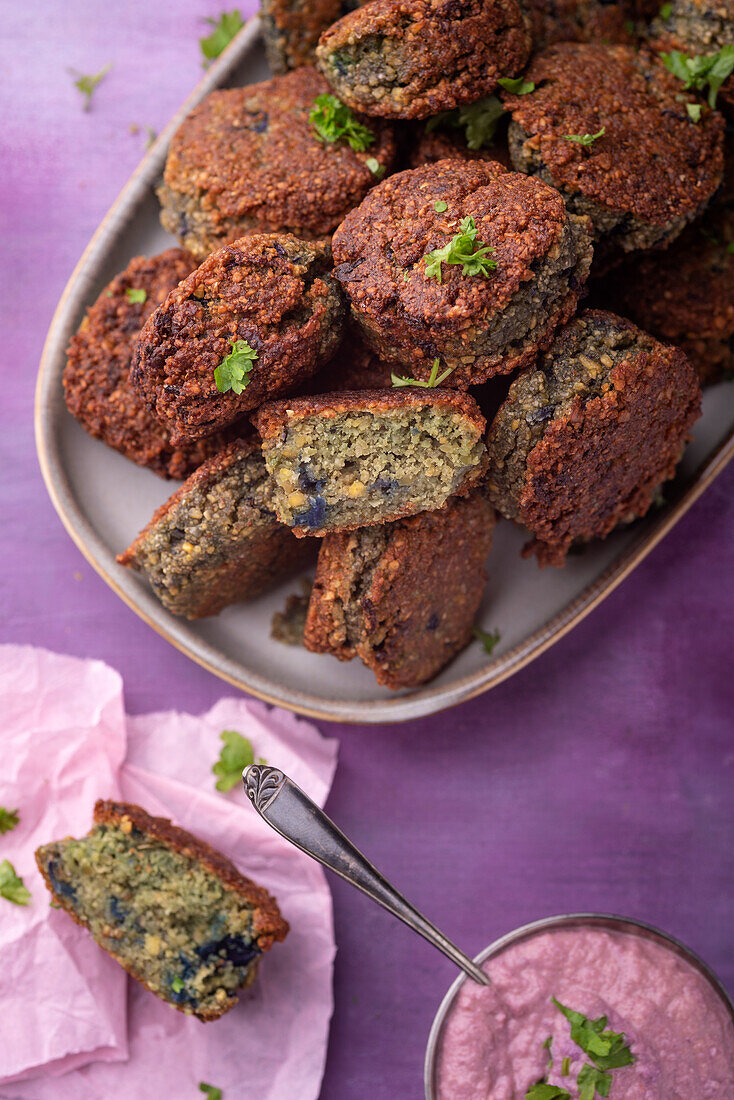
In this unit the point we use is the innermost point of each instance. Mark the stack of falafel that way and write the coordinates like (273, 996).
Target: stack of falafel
(383, 244)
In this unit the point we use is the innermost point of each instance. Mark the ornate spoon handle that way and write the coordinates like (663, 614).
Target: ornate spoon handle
(299, 820)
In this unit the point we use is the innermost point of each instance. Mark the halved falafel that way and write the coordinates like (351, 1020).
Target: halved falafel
(609, 127)
(583, 442)
(403, 596)
(248, 160)
(414, 58)
(272, 294)
(216, 540)
(413, 310)
(96, 377)
(346, 460)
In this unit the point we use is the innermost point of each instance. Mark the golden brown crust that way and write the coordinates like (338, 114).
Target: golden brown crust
(578, 21)
(433, 145)
(407, 614)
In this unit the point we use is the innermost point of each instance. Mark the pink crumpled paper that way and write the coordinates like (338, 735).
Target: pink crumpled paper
(64, 1028)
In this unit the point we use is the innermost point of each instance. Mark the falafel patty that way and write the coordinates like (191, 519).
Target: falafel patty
(291, 29)
(697, 27)
(583, 442)
(414, 58)
(96, 377)
(685, 295)
(216, 540)
(644, 169)
(432, 145)
(248, 160)
(346, 460)
(554, 21)
(477, 324)
(274, 295)
(376, 594)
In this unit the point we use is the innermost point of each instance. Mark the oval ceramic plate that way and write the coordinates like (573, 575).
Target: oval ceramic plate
(531, 608)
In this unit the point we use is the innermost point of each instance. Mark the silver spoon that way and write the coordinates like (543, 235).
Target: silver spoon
(291, 813)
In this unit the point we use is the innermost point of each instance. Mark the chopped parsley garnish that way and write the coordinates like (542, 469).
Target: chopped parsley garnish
(666, 11)
(177, 985)
(607, 1049)
(334, 121)
(462, 249)
(136, 295)
(543, 1091)
(235, 756)
(440, 206)
(585, 139)
(86, 83)
(548, 1044)
(375, 167)
(694, 111)
(8, 820)
(516, 85)
(212, 1093)
(11, 886)
(477, 120)
(592, 1081)
(565, 1067)
(699, 73)
(489, 639)
(434, 378)
(233, 373)
(225, 28)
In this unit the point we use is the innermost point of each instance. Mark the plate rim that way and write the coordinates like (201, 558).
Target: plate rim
(402, 708)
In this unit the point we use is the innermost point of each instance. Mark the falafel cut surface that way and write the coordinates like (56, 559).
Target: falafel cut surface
(646, 170)
(414, 58)
(477, 324)
(402, 597)
(248, 160)
(96, 377)
(342, 461)
(216, 540)
(175, 913)
(583, 442)
(271, 293)
(685, 295)
(697, 27)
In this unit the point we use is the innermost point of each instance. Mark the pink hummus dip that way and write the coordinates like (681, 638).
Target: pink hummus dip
(676, 1025)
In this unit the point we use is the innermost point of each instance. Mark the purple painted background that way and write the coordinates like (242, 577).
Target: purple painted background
(602, 777)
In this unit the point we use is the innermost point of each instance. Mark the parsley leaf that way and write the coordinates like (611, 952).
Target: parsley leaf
(565, 1067)
(440, 206)
(516, 85)
(86, 83)
(136, 295)
(463, 249)
(548, 1044)
(233, 373)
(177, 985)
(375, 167)
(543, 1091)
(11, 886)
(666, 11)
(607, 1049)
(694, 111)
(477, 120)
(584, 139)
(225, 28)
(8, 820)
(235, 756)
(212, 1093)
(592, 1081)
(489, 640)
(701, 72)
(333, 121)
(434, 378)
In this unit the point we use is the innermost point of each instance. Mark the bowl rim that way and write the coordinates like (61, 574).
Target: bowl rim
(611, 921)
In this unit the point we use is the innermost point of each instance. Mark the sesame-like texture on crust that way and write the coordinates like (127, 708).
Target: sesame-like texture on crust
(96, 377)
(216, 540)
(267, 925)
(651, 171)
(432, 145)
(698, 27)
(291, 30)
(685, 295)
(345, 460)
(402, 597)
(478, 325)
(414, 58)
(584, 442)
(554, 21)
(275, 292)
(248, 160)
